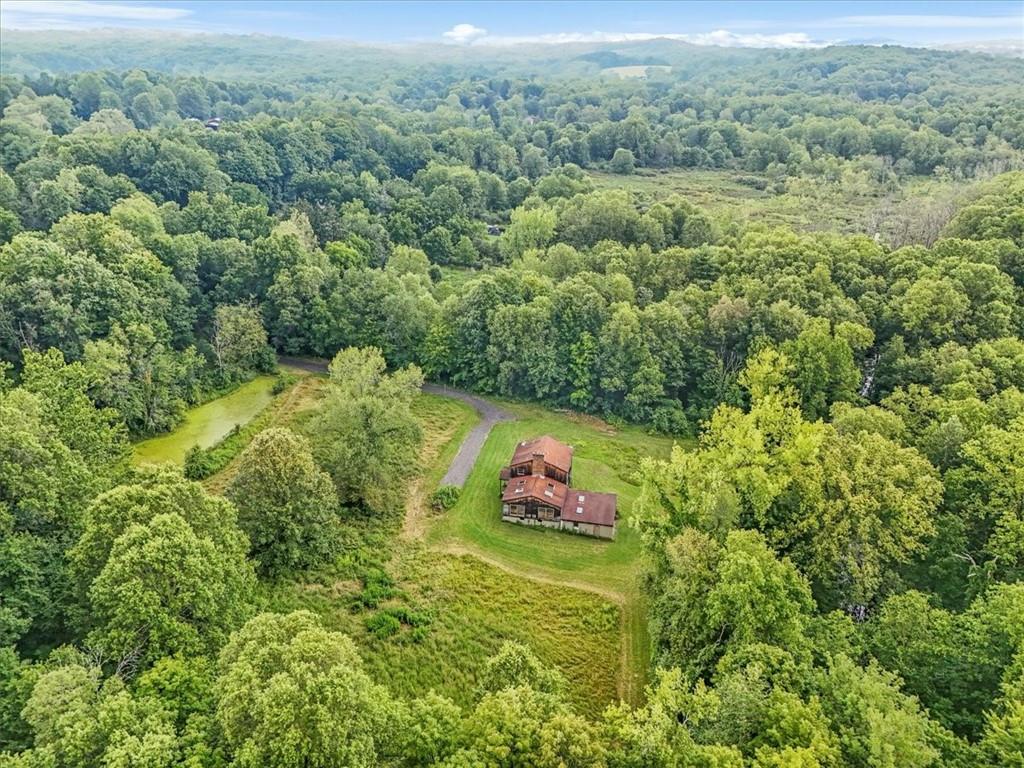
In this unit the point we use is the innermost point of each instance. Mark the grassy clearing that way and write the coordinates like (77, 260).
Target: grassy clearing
(640, 70)
(207, 424)
(462, 583)
(470, 606)
(605, 459)
(473, 607)
(445, 422)
(814, 204)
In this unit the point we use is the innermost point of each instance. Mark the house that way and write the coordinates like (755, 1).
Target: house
(542, 456)
(213, 123)
(535, 490)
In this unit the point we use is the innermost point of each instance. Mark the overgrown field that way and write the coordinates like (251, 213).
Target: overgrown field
(851, 203)
(454, 612)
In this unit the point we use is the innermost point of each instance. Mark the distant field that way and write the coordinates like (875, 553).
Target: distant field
(813, 204)
(641, 70)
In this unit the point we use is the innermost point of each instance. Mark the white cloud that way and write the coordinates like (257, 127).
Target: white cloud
(720, 37)
(932, 21)
(464, 33)
(43, 14)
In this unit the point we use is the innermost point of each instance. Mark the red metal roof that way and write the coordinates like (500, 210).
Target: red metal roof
(555, 453)
(589, 507)
(543, 489)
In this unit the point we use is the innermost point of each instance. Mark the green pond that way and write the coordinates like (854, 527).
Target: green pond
(206, 424)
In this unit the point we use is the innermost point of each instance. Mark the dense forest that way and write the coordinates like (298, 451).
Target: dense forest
(833, 570)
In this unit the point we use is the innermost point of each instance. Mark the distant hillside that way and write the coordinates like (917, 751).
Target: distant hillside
(614, 59)
(285, 60)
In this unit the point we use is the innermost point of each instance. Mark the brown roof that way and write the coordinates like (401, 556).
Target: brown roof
(589, 507)
(543, 489)
(555, 453)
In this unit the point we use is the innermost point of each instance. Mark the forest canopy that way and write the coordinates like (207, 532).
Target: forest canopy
(833, 553)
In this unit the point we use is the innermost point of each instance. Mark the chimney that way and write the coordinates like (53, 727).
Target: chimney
(538, 464)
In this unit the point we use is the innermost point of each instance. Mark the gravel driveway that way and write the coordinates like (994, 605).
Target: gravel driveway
(490, 415)
(464, 460)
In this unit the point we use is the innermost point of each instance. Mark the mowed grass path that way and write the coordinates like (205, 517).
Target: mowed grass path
(605, 459)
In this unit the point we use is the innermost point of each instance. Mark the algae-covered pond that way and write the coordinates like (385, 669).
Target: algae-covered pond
(208, 423)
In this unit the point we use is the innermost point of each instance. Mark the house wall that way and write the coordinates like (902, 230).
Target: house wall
(530, 521)
(589, 529)
(530, 509)
(531, 514)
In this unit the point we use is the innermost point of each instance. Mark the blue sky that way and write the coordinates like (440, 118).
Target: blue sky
(775, 24)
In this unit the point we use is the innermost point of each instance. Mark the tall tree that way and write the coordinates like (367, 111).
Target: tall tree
(364, 434)
(286, 504)
(291, 693)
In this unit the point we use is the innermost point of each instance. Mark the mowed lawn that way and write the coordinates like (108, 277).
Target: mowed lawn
(604, 459)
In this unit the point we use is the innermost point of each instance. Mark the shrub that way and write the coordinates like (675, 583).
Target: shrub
(383, 625)
(408, 616)
(377, 587)
(622, 162)
(445, 497)
(419, 634)
(199, 463)
(670, 420)
(755, 182)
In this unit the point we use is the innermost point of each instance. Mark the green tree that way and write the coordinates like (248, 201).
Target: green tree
(161, 567)
(623, 162)
(79, 720)
(824, 369)
(165, 589)
(709, 599)
(291, 693)
(876, 725)
(877, 513)
(286, 504)
(364, 435)
(529, 228)
(238, 340)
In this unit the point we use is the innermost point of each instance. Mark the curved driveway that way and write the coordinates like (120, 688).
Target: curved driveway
(464, 460)
(490, 414)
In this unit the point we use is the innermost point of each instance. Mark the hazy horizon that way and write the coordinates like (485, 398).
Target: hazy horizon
(982, 25)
